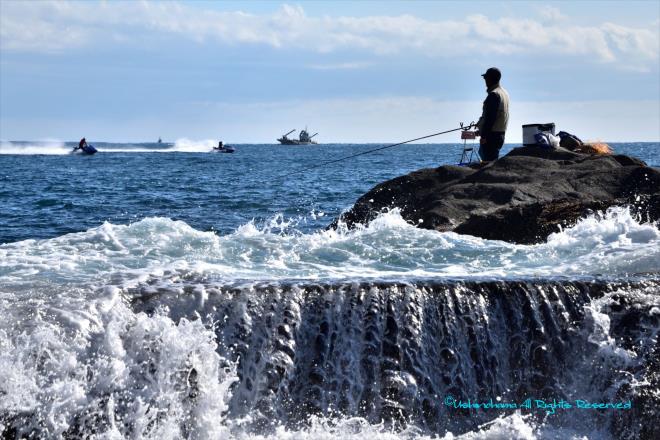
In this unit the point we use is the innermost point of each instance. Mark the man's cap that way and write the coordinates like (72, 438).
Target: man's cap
(494, 73)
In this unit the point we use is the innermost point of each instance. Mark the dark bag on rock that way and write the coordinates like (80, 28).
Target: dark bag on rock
(569, 141)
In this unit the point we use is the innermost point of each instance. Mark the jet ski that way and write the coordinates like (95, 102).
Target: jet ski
(87, 150)
(223, 149)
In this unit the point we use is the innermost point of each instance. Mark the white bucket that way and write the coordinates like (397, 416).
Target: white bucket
(529, 130)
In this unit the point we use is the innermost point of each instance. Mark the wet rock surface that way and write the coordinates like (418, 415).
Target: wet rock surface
(521, 198)
(407, 354)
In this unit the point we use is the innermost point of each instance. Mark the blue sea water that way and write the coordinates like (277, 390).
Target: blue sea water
(167, 291)
(46, 192)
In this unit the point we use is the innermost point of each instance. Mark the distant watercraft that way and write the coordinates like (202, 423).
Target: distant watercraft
(303, 139)
(87, 150)
(222, 148)
(160, 141)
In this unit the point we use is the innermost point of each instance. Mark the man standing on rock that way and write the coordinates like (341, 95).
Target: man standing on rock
(494, 117)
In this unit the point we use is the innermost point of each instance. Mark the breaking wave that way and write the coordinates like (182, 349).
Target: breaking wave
(157, 330)
(611, 244)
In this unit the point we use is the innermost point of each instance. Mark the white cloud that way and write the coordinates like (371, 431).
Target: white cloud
(551, 14)
(29, 27)
(641, 43)
(59, 26)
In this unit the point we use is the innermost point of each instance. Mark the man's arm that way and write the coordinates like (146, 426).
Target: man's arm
(480, 123)
(491, 106)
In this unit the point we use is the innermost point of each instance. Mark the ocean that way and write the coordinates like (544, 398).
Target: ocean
(166, 291)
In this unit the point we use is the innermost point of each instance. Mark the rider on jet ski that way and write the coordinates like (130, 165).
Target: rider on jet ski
(82, 144)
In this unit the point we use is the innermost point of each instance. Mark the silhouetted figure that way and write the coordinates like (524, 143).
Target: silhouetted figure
(494, 117)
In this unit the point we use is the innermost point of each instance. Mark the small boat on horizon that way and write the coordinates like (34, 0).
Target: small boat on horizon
(303, 139)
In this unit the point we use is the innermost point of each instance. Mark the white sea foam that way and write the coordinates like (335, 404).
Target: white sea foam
(182, 145)
(612, 244)
(73, 352)
(49, 147)
(129, 375)
(185, 145)
(120, 369)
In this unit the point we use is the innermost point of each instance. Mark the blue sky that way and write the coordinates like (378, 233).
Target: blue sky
(354, 71)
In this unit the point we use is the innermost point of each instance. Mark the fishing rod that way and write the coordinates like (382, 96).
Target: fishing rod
(302, 170)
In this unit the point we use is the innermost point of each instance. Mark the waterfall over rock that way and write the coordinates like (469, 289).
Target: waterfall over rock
(156, 330)
(400, 352)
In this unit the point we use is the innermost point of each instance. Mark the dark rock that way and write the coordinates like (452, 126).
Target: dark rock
(520, 198)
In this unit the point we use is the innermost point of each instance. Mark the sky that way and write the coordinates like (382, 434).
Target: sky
(368, 71)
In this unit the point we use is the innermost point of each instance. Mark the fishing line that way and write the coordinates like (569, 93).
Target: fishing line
(302, 170)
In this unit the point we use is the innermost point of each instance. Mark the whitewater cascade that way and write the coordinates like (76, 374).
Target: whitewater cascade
(201, 360)
(156, 330)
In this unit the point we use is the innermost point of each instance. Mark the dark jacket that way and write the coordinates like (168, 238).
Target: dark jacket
(495, 114)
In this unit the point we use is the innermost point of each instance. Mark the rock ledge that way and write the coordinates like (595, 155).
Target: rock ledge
(521, 198)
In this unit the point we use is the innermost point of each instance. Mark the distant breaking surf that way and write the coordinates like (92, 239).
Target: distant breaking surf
(56, 147)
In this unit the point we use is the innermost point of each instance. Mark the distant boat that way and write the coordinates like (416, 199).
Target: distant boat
(222, 148)
(87, 150)
(303, 139)
(160, 141)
